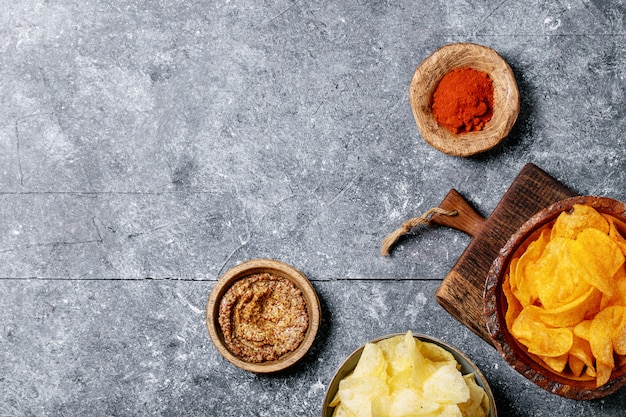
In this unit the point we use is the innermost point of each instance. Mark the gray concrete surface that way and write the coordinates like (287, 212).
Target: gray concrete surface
(146, 147)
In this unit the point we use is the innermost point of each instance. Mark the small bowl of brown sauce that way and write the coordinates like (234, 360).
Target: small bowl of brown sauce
(263, 315)
(465, 99)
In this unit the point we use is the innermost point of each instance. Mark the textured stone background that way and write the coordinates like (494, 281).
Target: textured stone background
(146, 147)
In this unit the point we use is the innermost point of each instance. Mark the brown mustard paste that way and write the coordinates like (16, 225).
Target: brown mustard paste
(263, 317)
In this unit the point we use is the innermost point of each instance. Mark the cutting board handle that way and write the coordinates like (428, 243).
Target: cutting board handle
(467, 220)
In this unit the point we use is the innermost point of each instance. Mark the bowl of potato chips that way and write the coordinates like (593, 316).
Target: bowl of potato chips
(408, 374)
(555, 298)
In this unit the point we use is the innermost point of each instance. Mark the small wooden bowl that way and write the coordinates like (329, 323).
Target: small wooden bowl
(279, 269)
(495, 306)
(506, 98)
(467, 366)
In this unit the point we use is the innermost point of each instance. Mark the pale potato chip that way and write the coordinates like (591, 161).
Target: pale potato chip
(603, 373)
(609, 324)
(436, 353)
(422, 367)
(401, 380)
(409, 402)
(372, 362)
(478, 403)
(381, 406)
(357, 392)
(395, 352)
(448, 410)
(591, 372)
(341, 411)
(447, 385)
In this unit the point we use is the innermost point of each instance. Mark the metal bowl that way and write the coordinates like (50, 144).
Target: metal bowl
(467, 366)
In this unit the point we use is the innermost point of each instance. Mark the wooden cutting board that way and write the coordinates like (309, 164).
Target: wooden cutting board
(461, 292)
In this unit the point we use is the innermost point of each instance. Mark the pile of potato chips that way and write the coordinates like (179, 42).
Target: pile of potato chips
(566, 295)
(403, 376)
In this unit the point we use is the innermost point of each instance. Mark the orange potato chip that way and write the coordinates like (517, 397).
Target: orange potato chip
(616, 319)
(591, 372)
(614, 233)
(582, 217)
(558, 363)
(555, 276)
(601, 335)
(618, 297)
(514, 306)
(619, 340)
(582, 351)
(598, 257)
(569, 314)
(602, 345)
(603, 373)
(540, 339)
(575, 365)
(521, 285)
(511, 279)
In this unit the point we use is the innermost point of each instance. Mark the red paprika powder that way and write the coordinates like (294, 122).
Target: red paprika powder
(463, 100)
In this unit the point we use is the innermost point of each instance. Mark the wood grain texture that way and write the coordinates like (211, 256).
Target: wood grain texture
(461, 292)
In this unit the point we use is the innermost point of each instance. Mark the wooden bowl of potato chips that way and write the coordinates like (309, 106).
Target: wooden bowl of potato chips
(408, 374)
(555, 298)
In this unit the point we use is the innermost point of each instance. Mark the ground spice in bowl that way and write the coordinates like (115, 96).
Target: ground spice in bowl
(477, 102)
(463, 100)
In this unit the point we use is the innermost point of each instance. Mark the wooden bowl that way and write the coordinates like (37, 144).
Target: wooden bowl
(279, 269)
(346, 368)
(506, 98)
(495, 306)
